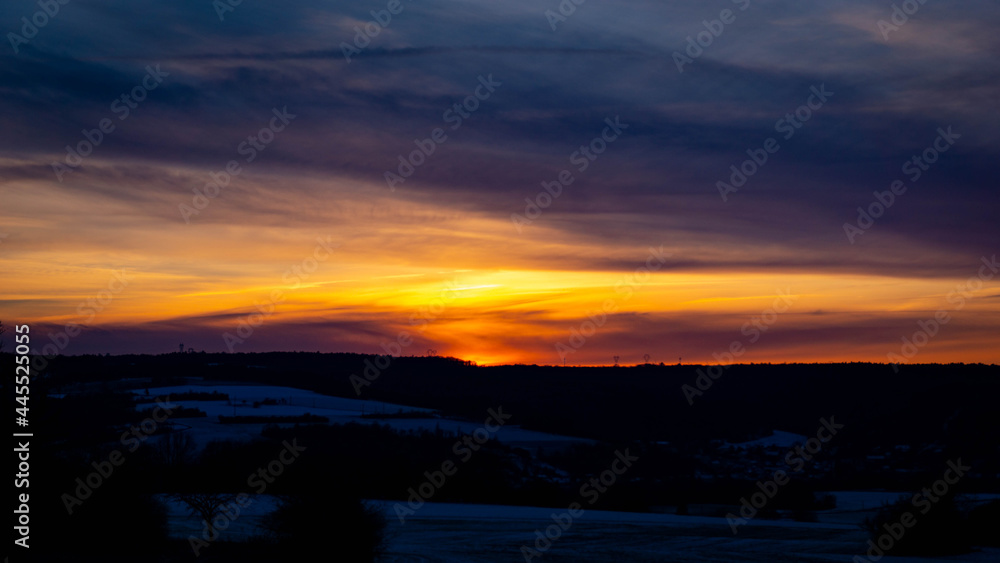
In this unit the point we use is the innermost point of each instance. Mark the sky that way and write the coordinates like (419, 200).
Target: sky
(518, 181)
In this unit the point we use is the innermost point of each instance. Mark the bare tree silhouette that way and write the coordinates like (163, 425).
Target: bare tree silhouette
(206, 505)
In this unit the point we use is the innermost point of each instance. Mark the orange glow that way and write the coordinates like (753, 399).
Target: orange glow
(466, 285)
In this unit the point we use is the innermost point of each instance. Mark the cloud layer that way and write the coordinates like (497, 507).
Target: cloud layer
(656, 184)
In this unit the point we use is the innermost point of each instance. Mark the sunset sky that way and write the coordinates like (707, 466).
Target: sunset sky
(114, 244)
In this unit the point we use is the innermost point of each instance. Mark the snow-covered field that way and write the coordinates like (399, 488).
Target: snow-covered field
(453, 533)
(450, 533)
(853, 506)
(778, 438)
(296, 401)
(339, 410)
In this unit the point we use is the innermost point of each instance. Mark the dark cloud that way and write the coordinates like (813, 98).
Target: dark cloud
(656, 183)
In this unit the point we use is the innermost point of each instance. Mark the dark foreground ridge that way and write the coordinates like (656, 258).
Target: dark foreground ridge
(680, 439)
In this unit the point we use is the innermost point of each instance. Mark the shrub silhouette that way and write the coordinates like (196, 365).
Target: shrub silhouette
(114, 525)
(941, 531)
(348, 529)
(983, 523)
